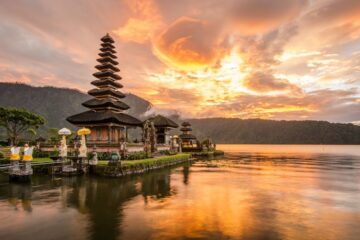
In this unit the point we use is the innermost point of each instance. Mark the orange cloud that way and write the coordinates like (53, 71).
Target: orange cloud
(339, 12)
(259, 16)
(188, 44)
(145, 19)
(230, 58)
(265, 82)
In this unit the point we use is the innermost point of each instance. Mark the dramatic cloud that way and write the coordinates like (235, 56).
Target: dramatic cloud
(189, 43)
(144, 20)
(258, 16)
(263, 82)
(293, 59)
(335, 11)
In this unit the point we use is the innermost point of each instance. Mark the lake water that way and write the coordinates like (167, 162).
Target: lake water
(253, 192)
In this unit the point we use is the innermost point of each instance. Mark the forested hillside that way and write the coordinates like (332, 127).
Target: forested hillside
(55, 104)
(260, 131)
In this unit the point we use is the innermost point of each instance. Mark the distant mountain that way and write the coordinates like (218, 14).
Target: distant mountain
(56, 104)
(258, 131)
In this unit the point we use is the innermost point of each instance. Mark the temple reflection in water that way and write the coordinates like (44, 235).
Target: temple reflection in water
(101, 200)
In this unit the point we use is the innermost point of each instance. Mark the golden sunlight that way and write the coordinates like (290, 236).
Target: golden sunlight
(214, 83)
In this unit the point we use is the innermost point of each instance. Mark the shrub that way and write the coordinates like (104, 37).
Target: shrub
(54, 153)
(40, 154)
(137, 156)
(90, 155)
(168, 152)
(158, 160)
(104, 155)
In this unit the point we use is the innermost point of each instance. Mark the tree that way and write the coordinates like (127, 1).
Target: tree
(18, 121)
(53, 135)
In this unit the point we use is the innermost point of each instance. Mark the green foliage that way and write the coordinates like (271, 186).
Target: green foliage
(53, 136)
(102, 162)
(56, 104)
(137, 155)
(90, 155)
(42, 160)
(168, 152)
(54, 153)
(150, 161)
(32, 132)
(258, 131)
(2, 155)
(39, 154)
(104, 155)
(157, 160)
(17, 121)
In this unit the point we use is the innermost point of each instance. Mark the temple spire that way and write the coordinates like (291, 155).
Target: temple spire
(107, 102)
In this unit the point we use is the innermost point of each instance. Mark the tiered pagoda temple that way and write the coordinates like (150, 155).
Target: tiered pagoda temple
(188, 140)
(106, 120)
(162, 125)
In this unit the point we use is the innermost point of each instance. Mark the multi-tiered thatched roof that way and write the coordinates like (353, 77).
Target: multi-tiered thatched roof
(186, 129)
(106, 107)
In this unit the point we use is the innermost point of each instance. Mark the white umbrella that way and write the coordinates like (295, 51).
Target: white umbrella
(63, 147)
(64, 132)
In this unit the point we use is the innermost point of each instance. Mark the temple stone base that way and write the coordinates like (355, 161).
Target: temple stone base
(17, 174)
(20, 178)
(69, 171)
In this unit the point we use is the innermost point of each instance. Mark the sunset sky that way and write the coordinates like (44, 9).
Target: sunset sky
(272, 59)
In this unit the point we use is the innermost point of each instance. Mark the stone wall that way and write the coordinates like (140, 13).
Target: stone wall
(119, 171)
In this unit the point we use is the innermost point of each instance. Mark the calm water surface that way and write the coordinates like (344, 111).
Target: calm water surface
(254, 192)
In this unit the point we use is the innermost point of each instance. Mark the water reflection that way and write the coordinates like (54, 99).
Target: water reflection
(271, 195)
(156, 185)
(20, 196)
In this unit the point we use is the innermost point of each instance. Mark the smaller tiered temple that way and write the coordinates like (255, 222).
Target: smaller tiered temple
(163, 125)
(188, 140)
(105, 119)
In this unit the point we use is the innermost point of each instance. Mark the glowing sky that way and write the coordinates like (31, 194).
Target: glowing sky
(273, 59)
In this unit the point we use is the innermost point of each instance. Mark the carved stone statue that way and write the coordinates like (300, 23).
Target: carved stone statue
(83, 149)
(14, 159)
(94, 158)
(63, 147)
(146, 137)
(28, 152)
(115, 159)
(152, 137)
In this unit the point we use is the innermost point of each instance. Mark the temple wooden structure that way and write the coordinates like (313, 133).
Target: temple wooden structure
(106, 118)
(163, 125)
(187, 138)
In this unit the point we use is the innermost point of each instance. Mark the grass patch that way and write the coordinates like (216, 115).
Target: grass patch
(150, 161)
(35, 160)
(102, 162)
(42, 160)
(207, 153)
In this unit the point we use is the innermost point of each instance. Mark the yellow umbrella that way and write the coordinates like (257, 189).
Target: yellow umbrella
(83, 131)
